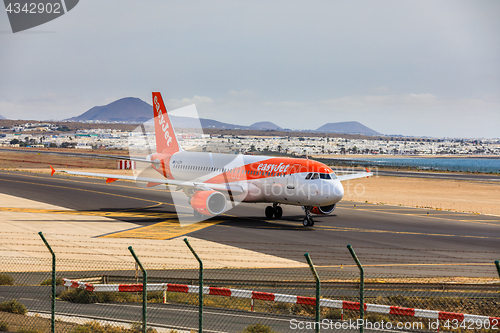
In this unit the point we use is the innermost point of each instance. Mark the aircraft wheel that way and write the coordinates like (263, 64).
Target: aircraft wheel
(308, 222)
(269, 212)
(278, 212)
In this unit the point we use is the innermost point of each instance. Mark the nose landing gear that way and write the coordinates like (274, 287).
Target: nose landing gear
(274, 211)
(308, 221)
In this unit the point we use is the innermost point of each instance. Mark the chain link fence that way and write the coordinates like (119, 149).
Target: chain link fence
(97, 296)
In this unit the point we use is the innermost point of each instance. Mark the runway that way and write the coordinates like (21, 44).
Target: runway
(386, 238)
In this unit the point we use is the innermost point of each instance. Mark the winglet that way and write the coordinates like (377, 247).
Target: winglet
(110, 180)
(53, 170)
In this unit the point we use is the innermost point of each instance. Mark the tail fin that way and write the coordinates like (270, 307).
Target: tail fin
(166, 142)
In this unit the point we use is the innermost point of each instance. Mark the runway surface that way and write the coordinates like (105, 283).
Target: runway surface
(386, 238)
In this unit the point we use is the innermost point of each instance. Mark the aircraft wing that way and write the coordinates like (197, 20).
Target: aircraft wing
(355, 175)
(236, 189)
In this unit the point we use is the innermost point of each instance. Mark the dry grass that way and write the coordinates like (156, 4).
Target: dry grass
(40, 162)
(42, 325)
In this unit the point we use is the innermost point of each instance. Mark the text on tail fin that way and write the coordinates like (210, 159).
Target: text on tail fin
(166, 141)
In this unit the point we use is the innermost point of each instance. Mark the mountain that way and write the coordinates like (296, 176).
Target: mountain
(128, 109)
(265, 125)
(347, 127)
(2, 117)
(188, 122)
(135, 110)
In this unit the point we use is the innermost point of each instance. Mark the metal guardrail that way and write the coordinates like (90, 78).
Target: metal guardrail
(493, 287)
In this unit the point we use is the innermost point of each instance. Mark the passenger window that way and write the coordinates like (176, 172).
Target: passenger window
(309, 175)
(315, 176)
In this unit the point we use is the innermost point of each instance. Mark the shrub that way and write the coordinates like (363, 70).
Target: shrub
(81, 329)
(117, 297)
(83, 296)
(6, 280)
(258, 328)
(332, 314)
(137, 328)
(80, 296)
(48, 282)
(13, 306)
(95, 327)
(375, 317)
(4, 327)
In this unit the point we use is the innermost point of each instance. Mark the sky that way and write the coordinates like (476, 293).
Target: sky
(418, 68)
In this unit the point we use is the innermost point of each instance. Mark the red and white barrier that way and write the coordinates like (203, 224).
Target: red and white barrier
(125, 165)
(329, 303)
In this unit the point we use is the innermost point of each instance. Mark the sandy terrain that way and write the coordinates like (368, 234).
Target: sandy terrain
(455, 195)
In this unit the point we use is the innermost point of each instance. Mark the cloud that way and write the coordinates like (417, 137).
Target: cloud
(413, 67)
(415, 114)
(201, 101)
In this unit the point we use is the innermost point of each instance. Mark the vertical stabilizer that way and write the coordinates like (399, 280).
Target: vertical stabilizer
(166, 142)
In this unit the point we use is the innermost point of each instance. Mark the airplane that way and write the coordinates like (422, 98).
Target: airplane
(211, 179)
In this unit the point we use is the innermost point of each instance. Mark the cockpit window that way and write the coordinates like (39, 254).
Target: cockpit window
(315, 176)
(309, 175)
(324, 176)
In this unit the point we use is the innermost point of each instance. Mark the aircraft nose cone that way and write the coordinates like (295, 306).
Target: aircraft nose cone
(339, 191)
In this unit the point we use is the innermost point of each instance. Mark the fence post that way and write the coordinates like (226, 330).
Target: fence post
(144, 290)
(53, 309)
(200, 285)
(361, 288)
(497, 263)
(318, 291)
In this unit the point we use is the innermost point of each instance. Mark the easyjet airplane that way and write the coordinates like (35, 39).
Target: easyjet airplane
(210, 179)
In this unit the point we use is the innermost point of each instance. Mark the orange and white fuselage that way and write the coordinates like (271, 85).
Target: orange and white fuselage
(210, 179)
(261, 178)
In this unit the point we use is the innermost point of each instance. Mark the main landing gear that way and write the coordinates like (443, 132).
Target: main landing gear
(274, 211)
(308, 221)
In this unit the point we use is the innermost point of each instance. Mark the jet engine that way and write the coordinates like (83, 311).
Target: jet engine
(323, 210)
(208, 203)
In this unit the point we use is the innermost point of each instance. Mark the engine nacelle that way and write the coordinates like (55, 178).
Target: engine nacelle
(323, 210)
(208, 203)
